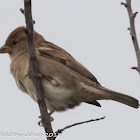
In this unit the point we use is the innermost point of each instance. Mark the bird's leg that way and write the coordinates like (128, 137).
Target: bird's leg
(40, 123)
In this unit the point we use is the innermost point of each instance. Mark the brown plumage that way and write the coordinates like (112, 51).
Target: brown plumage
(66, 82)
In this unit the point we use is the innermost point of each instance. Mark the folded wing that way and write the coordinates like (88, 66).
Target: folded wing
(50, 50)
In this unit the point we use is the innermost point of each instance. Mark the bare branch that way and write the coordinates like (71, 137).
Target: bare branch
(33, 69)
(35, 75)
(22, 11)
(132, 30)
(60, 131)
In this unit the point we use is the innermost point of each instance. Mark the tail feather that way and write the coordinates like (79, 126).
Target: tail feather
(119, 97)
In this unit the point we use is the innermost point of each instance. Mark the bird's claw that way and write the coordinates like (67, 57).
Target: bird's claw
(40, 123)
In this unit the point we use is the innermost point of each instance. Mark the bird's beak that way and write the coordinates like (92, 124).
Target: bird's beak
(5, 49)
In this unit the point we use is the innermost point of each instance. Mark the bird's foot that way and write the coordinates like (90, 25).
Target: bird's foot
(40, 123)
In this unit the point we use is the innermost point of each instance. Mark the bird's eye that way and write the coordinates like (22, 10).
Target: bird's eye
(14, 42)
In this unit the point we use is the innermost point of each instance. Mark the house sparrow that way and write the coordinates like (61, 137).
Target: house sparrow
(65, 81)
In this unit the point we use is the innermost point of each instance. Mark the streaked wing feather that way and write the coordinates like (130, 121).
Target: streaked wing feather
(54, 52)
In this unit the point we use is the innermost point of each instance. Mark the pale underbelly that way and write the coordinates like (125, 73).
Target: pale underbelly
(56, 97)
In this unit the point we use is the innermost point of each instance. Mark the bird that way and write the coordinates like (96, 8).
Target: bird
(66, 82)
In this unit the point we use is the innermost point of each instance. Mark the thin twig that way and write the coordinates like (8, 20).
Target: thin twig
(60, 131)
(132, 30)
(135, 68)
(33, 69)
(122, 3)
(22, 11)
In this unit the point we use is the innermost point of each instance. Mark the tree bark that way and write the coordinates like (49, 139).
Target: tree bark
(132, 29)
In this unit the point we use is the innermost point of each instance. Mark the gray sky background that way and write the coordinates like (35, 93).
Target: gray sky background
(95, 33)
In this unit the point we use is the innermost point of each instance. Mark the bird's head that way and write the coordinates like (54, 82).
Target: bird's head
(16, 41)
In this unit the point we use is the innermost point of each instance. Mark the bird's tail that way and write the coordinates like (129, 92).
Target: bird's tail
(119, 97)
(101, 93)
